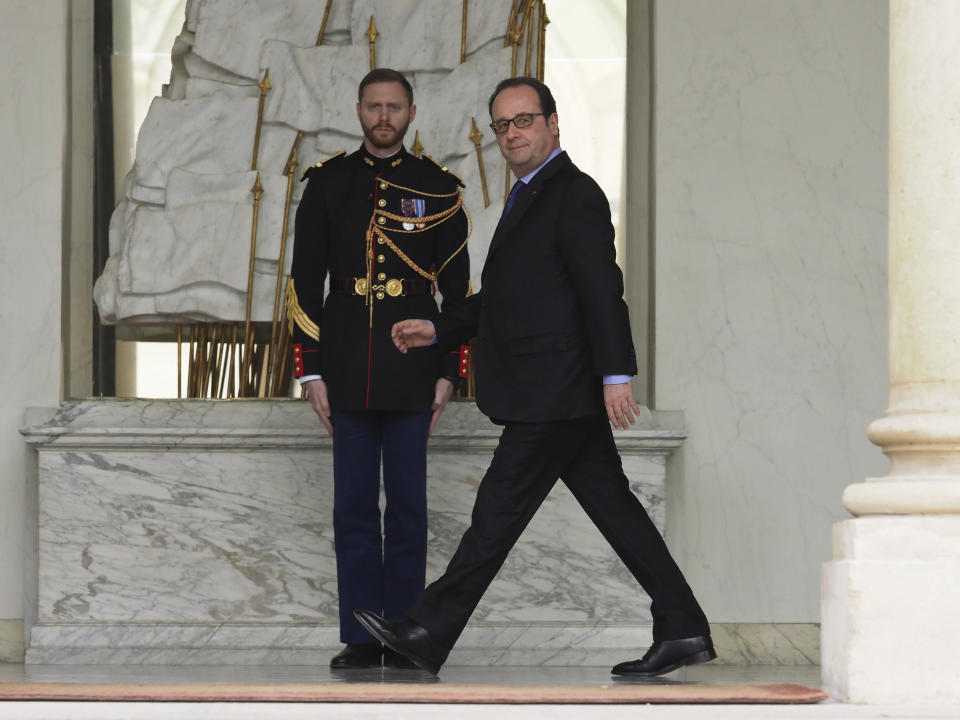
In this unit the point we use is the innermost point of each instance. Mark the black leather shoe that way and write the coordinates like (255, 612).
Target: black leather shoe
(407, 638)
(358, 657)
(668, 655)
(393, 659)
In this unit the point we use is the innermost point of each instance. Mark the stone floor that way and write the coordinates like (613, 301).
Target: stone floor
(724, 674)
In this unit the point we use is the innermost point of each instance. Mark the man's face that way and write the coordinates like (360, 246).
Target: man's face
(525, 149)
(385, 114)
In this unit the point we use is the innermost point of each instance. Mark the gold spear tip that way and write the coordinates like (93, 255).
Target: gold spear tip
(372, 31)
(257, 188)
(417, 147)
(264, 84)
(292, 161)
(475, 133)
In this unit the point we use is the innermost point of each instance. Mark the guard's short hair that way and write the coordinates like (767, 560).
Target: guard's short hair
(379, 75)
(548, 106)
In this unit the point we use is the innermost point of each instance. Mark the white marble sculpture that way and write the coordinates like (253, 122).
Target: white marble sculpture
(180, 238)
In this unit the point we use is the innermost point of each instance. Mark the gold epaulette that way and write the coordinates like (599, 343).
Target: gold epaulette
(322, 163)
(444, 168)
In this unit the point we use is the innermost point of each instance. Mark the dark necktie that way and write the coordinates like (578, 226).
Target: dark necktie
(512, 197)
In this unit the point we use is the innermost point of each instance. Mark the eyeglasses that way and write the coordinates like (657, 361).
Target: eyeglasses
(523, 120)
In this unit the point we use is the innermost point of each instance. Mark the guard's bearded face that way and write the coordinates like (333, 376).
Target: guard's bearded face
(385, 114)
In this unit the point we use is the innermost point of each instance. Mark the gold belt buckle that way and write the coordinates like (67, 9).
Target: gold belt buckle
(360, 286)
(394, 287)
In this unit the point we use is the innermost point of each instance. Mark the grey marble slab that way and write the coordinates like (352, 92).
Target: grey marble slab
(199, 528)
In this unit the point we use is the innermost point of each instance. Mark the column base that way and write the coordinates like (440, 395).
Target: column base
(890, 608)
(903, 496)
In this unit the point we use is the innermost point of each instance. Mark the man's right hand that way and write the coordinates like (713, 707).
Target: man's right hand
(317, 395)
(408, 334)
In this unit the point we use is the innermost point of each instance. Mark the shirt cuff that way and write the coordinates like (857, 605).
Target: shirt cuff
(611, 379)
(434, 341)
(307, 378)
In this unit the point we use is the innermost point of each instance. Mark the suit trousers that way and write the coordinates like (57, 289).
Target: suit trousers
(529, 459)
(379, 566)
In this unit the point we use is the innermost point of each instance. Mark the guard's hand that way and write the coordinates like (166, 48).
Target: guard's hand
(408, 334)
(317, 395)
(621, 405)
(441, 394)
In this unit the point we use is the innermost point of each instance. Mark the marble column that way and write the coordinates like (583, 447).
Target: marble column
(891, 595)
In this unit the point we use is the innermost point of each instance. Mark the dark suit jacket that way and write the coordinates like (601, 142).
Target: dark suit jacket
(549, 319)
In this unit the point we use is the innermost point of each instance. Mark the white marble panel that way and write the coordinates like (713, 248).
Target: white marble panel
(230, 33)
(310, 89)
(175, 89)
(191, 245)
(192, 13)
(177, 537)
(767, 643)
(425, 34)
(771, 134)
(196, 87)
(205, 125)
(444, 132)
(196, 68)
(193, 146)
(188, 529)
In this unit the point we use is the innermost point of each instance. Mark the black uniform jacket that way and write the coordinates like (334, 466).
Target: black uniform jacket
(550, 319)
(379, 221)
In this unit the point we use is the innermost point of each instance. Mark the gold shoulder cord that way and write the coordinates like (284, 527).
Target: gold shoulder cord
(441, 217)
(375, 231)
(462, 245)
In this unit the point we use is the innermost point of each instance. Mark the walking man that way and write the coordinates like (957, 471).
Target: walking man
(554, 361)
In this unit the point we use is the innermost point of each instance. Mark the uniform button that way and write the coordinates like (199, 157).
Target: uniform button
(381, 202)
(382, 276)
(383, 186)
(380, 240)
(379, 294)
(381, 258)
(381, 220)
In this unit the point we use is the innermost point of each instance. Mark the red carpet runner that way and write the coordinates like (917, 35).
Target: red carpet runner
(619, 693)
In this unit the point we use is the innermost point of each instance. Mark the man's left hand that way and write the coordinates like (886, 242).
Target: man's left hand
(621, 406)
(442, 393)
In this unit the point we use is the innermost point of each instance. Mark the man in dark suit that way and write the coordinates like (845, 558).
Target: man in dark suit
(554, 360)
(387, 228)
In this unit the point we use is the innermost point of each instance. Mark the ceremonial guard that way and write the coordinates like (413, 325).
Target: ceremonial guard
(387, 231)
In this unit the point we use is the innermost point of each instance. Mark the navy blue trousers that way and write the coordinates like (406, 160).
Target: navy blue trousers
(380, 565)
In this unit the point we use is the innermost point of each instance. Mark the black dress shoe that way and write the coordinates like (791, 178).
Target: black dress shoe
(393, 659)
(407, 638)
(668, 655)
(358, 657)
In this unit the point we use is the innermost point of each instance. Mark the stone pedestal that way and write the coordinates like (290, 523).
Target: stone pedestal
(891, 611)
(175, 532)
(891, 596)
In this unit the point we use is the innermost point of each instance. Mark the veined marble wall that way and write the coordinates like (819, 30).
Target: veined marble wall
(201, 532)
(33, 124)
(771, 183)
